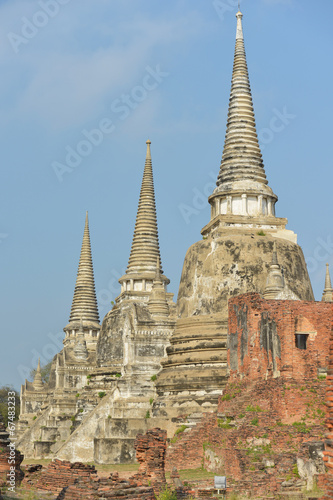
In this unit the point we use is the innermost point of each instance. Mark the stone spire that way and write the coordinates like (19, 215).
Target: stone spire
(158, 305)
(328, 290)
(242, 188)
(38, 382)
(275, 280)
(84, 306)
(145, 249)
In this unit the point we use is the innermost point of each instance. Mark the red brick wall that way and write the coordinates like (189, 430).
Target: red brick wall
(150, 453)
(261, 336)
(328, 454)
(187, 452)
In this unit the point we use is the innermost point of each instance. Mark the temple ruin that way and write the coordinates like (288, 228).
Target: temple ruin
(153, 363)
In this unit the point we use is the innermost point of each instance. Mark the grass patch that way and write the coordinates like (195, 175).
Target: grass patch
(181, 429)
(253, 408)
(226, 397)
(116, 467)
(193, 474)
(301, 427)
(224, 423)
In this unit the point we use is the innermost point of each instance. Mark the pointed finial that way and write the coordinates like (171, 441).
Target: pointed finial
(38, 382)
(84, 305)
(328, 283)
(328, 290)
(239, 32)
(148, 157)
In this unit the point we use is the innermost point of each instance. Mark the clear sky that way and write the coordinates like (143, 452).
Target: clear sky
(139, 69)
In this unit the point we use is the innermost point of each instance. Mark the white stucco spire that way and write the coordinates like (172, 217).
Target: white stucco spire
(239, 32)
(242, 191)
(84, 306)
(145, 251)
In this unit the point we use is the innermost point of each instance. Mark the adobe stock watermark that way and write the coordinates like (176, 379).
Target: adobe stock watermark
(48, 352)
(199, 199)
(122, 108)
(321, 254)
(277, 124)
(223, 7)
(31, 27)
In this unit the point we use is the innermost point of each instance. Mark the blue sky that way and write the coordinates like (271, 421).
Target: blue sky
(135, 70)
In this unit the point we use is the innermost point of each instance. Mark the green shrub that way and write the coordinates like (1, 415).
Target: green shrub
(101, 394)
(73, 418)
(301, 427)
(153, 378)
(255, 421)
(118, 375)
(34, 418)
(88, 376)
(180, 429)
(147, 414)
(167, 494)
(226, 397)
(151, 401)
(261, 233)
(253, 408)
(295, 470)
(77, 395)
(224, 423)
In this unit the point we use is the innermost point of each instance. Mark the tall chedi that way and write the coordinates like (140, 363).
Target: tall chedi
(83, 326)
(133, 339)
(54, 404)
(143, 305)
(234, 257)
(75, 362)
(145, 251)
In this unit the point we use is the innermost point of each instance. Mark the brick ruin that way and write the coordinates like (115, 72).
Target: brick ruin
(241, 377)
(71, 480)
(273, 338)
(328, 454)
(150, 453)
(268, 434)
